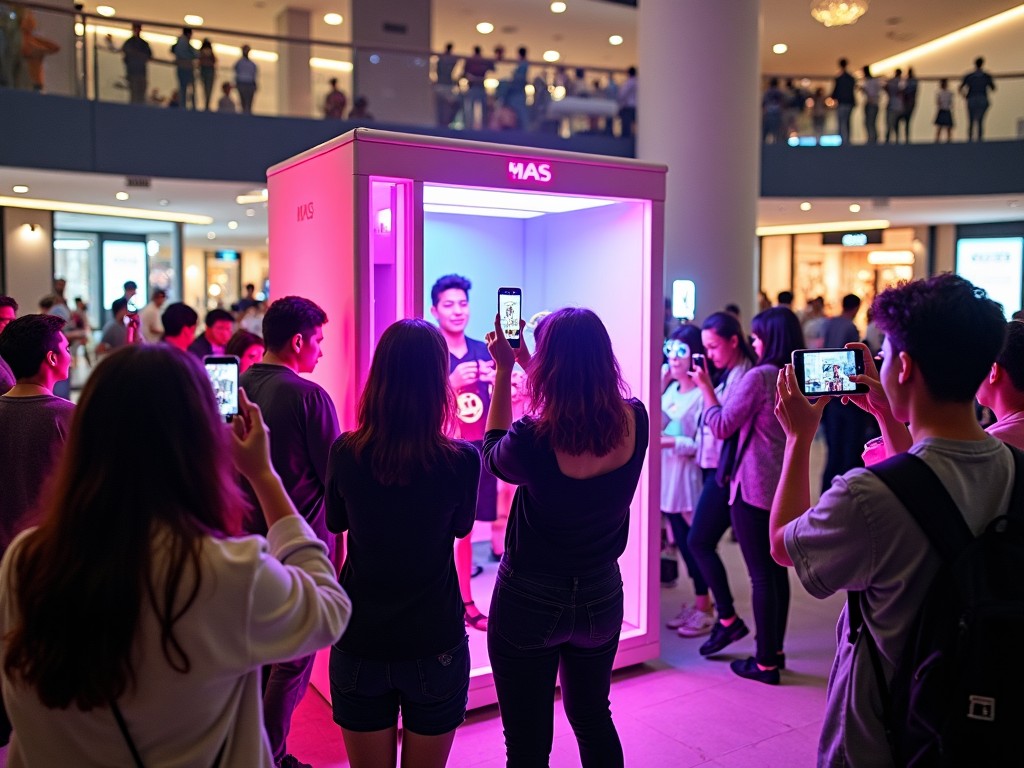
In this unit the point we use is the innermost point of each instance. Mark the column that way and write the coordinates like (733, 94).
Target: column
(396, 85)
(698, 112)
(293, 76)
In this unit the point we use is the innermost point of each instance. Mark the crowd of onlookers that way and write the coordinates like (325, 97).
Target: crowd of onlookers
(784, 107)
(199, 557)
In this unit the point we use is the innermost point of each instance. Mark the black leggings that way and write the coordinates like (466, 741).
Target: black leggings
(710, 522)
(680, 532)
(769, 581)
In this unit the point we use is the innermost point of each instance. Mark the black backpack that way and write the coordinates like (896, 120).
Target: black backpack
(957, 695)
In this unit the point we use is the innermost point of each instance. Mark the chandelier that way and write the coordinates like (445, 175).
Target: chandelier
(836, 13)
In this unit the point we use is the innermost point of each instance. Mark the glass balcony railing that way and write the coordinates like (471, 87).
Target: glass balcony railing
(396, 86)
(1003, 120)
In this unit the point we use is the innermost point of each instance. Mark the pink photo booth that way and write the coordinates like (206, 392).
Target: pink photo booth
(365, 223)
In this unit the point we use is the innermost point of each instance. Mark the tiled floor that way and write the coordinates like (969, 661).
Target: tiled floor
(681, 710)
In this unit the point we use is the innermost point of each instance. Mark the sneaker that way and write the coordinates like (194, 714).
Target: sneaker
(290, 761)
(748, 668)
(685, 611)
(721, 636)
(699, 623)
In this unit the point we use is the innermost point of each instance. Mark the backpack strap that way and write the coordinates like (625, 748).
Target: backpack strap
(919, 489)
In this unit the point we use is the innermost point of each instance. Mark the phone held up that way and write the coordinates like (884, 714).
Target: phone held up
(826, 372)
(223, 373)
(697, 361)
(510, 310)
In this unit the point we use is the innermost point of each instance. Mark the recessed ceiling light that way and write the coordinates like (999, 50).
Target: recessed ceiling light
(854, 208)
(193, 20)
(805, 206)
(211, 235)
(615, 39)
(232, 225)
(121, 195)
(550, 56)
(334, 19)
(165, 202)
(105, 10)
(250, 212)
(19, 189)
(780, 48)
(485, 27)
(558, 7)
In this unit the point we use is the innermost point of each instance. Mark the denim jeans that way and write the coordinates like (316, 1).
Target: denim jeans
(710, 522)
(871, 122)
(541, 626)
(843, 121)
(769, 581)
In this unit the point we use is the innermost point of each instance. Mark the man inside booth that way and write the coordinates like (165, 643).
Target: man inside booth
(471, 374)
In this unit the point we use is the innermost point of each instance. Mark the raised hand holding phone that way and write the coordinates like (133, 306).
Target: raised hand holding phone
(510, 312)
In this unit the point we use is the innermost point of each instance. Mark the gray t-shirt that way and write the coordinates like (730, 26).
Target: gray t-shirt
(114, 334)
(859, 537)
(34, 430)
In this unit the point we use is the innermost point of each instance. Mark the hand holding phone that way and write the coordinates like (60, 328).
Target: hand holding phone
(510, 312)
(223, 373)
(826, 372)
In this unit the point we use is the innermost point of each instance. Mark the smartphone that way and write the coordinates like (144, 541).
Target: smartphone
(510, 310)
(826, 372)
(223, 373)
(697, 360)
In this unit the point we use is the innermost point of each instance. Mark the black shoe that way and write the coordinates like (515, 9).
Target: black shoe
(748, 668)
(780, 660)
(290, 761)
(476, 570)
(722, 636)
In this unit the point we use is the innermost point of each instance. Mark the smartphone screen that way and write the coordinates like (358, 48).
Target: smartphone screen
(510, 310)
(826, 372)
(223, 373)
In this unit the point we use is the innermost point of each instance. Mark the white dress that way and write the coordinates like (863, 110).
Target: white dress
(681, 478)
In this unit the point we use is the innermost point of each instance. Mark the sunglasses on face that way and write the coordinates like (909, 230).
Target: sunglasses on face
(676, 348)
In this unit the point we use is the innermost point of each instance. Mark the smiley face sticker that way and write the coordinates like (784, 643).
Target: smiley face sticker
(471, 407)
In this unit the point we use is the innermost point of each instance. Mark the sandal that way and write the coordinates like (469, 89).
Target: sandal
(479, 621)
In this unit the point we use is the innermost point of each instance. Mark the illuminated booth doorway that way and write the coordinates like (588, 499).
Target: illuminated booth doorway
(364, 224)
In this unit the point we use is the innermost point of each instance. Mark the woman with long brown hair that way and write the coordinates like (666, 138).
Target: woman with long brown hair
(134, 624)
(557, 605)
(404, 492)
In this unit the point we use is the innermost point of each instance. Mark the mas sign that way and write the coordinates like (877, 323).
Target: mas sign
(520, 170)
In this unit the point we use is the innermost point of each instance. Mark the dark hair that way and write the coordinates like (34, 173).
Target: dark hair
(780, 333)
(851, 302)
(177, 317)
(522, 53)
(288, 316)
(47, 302)
(250, 287)
(785, 297)
(157, 294)
(928, 318)
(576, 385)
(867, 71)
(727, 325)
(218, 316)
(131, 284)
(631, 72)
(403, 418)
(733, 309)
(25, 342)
(447, 282)
(843, 63)
(118, 305)
(91, 562)
(1011, 356)
(8, 301)
(242, 341)
(979, 62)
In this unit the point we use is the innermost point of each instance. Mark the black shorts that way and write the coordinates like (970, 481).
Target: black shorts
(431, 692)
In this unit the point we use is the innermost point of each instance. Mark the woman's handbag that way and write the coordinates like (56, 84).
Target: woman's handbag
(729, 458)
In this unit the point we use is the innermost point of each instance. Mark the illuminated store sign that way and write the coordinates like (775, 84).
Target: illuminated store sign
(995, 264)
(519, 170)
(852, 239)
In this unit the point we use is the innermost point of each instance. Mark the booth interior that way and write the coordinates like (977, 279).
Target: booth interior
(560, 248)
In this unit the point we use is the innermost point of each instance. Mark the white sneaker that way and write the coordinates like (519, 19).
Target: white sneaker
(680, 618)
(698, 623)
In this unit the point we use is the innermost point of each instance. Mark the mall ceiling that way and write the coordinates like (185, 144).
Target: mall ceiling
(581, 33)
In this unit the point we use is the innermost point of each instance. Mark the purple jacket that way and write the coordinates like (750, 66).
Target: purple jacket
(751, 409)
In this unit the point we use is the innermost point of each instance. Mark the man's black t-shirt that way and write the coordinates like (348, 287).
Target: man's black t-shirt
(303, 425)
(399, 566)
